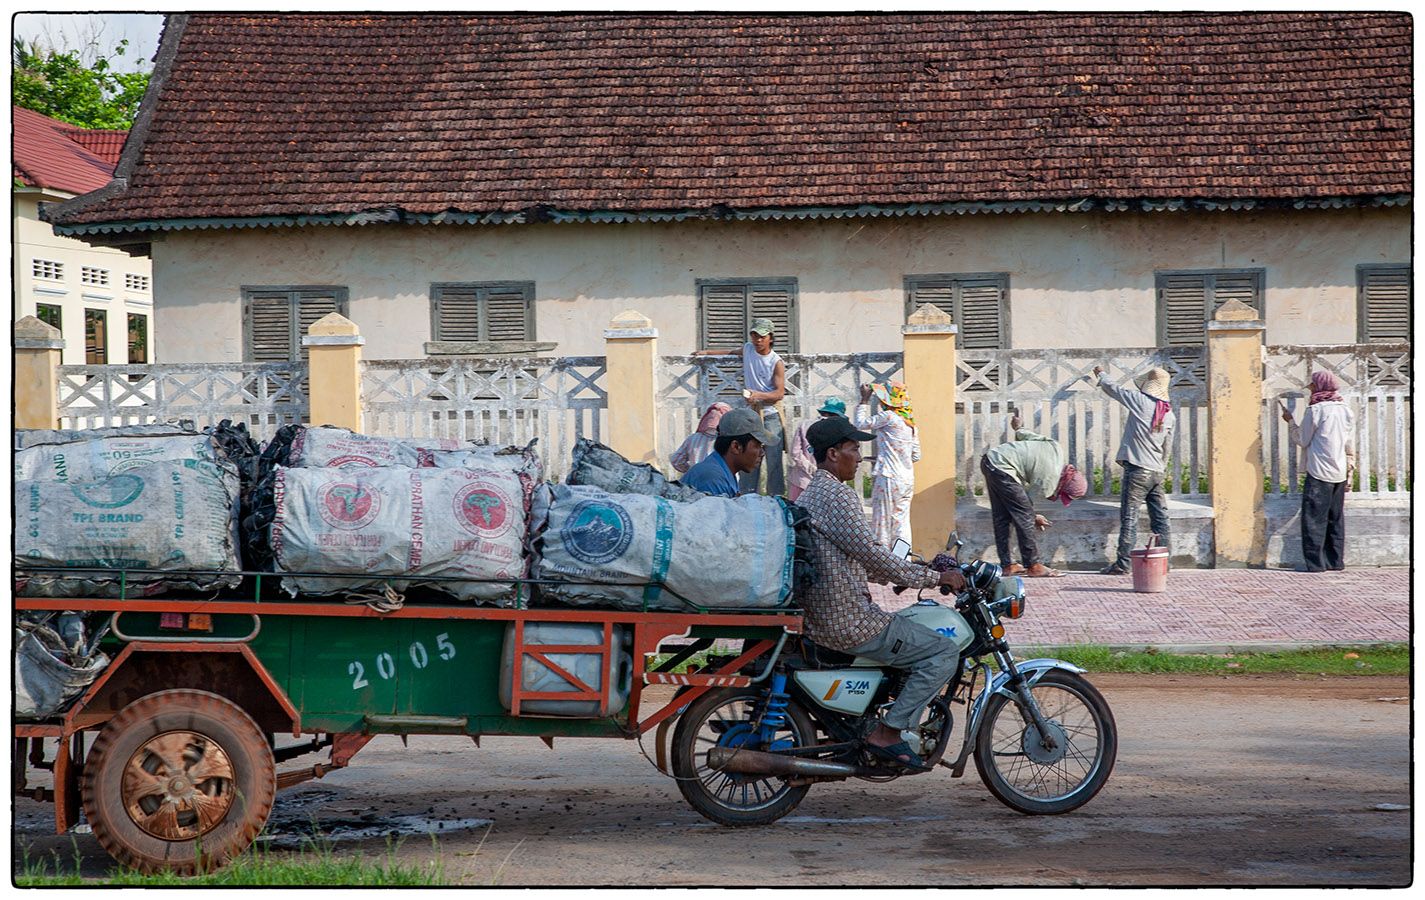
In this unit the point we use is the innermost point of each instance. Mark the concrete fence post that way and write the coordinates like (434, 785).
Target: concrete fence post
(631, 353)
(1234, 401)
(333, 345)
(929, 338)
(37, 355)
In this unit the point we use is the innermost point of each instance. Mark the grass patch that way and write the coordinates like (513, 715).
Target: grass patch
(313, 864)
(1385, 659)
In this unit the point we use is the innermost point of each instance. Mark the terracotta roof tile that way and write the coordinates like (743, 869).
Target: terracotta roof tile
(283, 115)
(46, 154)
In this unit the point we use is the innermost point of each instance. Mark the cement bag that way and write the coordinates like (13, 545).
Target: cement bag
(94, 459)
(174, 515)
(399, 521)
(604, 468)
(48, 677)
(716, 551)
(31, 437)
(328, 447)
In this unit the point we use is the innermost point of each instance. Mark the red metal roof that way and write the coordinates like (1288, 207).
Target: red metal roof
(46, 154)
(282, 115)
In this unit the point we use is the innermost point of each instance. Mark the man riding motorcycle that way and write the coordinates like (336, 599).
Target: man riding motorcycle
(839, 613)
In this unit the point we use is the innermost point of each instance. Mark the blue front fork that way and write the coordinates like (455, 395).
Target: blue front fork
(774, 714)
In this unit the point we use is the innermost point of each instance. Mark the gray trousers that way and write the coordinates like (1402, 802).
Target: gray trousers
(776, 477)
(930, 658)
(1140, 484)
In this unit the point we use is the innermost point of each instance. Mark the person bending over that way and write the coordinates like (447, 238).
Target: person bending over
(1030, 462)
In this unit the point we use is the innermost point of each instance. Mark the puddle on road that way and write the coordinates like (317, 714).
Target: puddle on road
(293, 823)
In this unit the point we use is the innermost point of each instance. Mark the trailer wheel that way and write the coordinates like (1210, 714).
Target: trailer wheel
(179, 781)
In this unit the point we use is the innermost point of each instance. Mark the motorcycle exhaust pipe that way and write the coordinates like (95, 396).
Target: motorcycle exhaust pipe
(755, 762)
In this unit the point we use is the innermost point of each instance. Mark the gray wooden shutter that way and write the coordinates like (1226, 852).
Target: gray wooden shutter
(508, 313)
(269, 326)
(1384, 297)
(981, 314)
(311, 306)
(776, 302)
(457, 312)
(1182, 310)
(1243, 286)
(723, 311)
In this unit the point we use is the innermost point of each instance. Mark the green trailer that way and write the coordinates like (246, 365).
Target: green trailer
(172, 752)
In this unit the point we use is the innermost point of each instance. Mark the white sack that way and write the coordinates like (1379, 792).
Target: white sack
(93, 459)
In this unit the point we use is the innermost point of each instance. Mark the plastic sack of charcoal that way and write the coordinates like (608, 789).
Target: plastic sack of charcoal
(617, 549)
(604, 468)
(53, 665)
(96, 458)
(32, 437)
(395, 524)
(175, 515)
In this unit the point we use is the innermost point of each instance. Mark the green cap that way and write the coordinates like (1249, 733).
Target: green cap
(761, 326)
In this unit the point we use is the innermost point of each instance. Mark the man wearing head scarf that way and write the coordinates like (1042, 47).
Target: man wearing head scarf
(1142, 454)
(1327, 431)
(1031, 465)
(897, 450)
(696, 446)
(803, 462)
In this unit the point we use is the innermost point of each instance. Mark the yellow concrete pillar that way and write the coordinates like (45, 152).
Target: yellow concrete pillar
(333, 345)
(631, 351)
(1234, 402)
(929, 338)
(37, 353)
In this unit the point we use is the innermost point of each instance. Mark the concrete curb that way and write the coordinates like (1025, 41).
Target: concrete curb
(1028, 651)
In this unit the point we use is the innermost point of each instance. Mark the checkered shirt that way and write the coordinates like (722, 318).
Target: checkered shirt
(838, 610)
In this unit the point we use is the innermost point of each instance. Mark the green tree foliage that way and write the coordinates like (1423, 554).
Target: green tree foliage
(63, 85)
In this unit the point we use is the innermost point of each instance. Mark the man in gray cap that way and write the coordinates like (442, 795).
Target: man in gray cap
(764, 382)
(737, 449)
(839, 612)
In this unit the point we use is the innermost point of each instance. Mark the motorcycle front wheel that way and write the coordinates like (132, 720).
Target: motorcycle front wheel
(729, 718)
(1034, 779)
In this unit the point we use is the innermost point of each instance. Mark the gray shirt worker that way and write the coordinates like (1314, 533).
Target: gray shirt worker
(1142, 446)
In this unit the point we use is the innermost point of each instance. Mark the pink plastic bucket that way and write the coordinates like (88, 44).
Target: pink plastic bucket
(1150, 568)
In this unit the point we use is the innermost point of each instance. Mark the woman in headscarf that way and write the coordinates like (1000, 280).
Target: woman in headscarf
(1328, 432)
(1143, 455)
(803, 464)
(897, 449)
(699, 444)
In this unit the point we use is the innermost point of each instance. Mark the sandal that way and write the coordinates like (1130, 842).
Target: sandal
(1044, 572)
(901, 755)
(1013, 569)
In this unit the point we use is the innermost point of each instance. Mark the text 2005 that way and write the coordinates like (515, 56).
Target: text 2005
(386, 665)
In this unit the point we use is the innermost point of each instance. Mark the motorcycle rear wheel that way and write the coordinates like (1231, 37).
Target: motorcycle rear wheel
(725, 798)
(1033, 780)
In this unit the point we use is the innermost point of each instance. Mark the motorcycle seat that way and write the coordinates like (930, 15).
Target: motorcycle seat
(821, 657)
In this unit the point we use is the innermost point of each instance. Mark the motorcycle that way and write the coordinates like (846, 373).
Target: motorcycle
(1043, 738)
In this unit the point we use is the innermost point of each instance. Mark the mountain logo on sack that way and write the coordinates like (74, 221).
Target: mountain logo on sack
(346, 505)
(597, 532)
(483, 509)
(111, 493)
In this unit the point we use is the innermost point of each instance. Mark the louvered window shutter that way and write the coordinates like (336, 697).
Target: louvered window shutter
(508, 315)
(775, 302)
(457, 312)
(277, 318)
(1182, 310)
(724, 316)
(269, 327)
(977, 303)
(1384, 304)
(1243, 286)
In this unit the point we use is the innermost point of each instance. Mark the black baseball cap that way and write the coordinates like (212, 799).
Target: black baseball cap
(831, 431)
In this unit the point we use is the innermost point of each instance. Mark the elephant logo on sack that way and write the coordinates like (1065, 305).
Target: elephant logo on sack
(483, 510)
(348, 506)
(111, 493)
(596, 532)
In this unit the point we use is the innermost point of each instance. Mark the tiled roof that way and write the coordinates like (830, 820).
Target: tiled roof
(273, 115)
(105, 143)
(45, 154)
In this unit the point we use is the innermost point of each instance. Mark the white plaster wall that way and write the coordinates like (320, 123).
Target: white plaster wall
(1076, 280)
(35, 239)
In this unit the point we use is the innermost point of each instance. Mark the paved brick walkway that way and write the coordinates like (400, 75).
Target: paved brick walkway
(1211, 608)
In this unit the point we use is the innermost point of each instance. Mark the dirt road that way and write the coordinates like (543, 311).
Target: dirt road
(1240, 781)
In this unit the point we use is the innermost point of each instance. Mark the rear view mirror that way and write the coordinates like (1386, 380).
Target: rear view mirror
(900, 549)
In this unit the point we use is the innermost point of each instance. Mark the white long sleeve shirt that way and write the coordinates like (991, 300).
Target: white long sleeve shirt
(1328, 432)
(897, 446)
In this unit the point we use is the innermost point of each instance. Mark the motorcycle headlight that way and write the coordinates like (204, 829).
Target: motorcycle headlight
(1009, 597)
